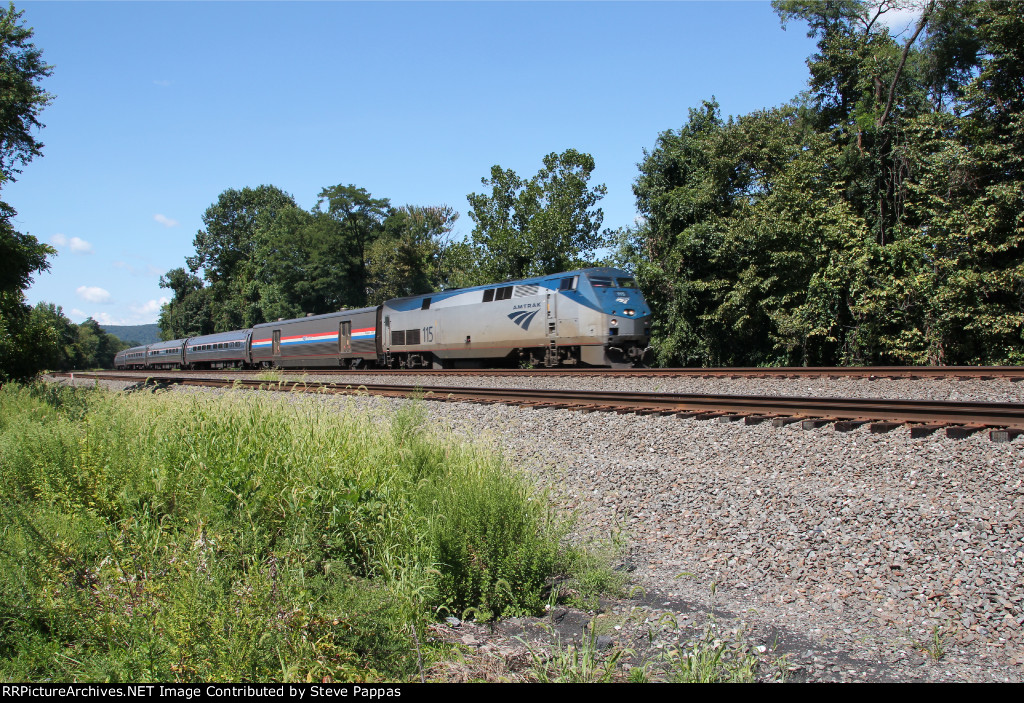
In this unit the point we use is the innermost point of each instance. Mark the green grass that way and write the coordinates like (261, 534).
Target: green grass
(244, 538)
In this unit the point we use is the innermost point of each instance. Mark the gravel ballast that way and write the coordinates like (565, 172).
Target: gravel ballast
(862, 556)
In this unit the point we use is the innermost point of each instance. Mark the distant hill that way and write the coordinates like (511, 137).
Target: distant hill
(143, 334)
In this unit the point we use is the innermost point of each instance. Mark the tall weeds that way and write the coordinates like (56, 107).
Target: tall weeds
(171, 537)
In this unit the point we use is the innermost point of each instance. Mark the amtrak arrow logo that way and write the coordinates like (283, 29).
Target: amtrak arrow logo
(523, 318)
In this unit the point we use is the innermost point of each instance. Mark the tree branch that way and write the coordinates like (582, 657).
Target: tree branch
(903, 60)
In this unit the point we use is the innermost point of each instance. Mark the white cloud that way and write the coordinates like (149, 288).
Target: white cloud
(902, 19)
(80, 246)
(93, 294)
(150, 308)
(165, 221)
(77, 244)
(147, 270)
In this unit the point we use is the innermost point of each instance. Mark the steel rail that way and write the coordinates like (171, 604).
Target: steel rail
(1012, 373)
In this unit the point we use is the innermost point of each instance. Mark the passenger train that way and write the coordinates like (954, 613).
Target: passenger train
(591, 317)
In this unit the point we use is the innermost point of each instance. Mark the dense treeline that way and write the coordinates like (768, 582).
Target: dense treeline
(261, 257)
(877, 218)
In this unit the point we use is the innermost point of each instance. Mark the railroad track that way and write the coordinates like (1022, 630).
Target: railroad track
(982, 373)
(1002, 421)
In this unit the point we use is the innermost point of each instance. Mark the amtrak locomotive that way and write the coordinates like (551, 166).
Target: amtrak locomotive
(592, 317)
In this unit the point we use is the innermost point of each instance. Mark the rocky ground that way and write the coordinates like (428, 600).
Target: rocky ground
(829, 556)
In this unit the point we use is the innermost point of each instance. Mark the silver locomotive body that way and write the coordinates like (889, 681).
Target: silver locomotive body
(592, 316)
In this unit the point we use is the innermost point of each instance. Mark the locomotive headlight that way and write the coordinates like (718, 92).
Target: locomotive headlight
(614, 322)
(629, 312)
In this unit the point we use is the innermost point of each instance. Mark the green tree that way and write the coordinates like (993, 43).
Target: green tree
(94, 348)
(309, 265)
(226, 252)
(58, 352)
(22, 99)
(876, 219)
(410, 256)
(23, 344)
(532, 227)
(189, 313)
(361, 219)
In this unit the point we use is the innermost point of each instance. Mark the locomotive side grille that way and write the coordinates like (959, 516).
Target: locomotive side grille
(527, 290)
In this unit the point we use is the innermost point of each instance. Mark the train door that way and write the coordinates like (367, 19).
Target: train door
(277, 345)
(345, 337)
(552, 315)
(551, 352)
(383, 337)
(568, 322)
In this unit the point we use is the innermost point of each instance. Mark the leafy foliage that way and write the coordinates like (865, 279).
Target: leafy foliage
(21, 255)
(412, 253)
(70, 346)
(531, 227)
(875, 219)
(261, 257)
(22, 99)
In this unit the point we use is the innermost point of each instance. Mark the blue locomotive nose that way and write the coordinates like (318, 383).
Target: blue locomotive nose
(626, 316)
(617, 294)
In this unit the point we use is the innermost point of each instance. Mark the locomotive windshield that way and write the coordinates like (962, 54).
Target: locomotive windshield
(606, 282)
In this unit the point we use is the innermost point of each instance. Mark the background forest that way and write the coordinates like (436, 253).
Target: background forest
(876, 218)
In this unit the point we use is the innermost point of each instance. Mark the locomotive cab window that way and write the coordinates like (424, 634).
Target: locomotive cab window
(426, 304)
(625, 282)
(488, 295)
(598, 282)
(568, 283)
(503, 293)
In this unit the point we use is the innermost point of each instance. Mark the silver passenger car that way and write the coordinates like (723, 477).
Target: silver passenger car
(218, 351)
(165, 355)
(338, 339)
(132, 358)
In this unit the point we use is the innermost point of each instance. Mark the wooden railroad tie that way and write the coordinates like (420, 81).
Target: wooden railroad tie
(918, 431)
(963, 431)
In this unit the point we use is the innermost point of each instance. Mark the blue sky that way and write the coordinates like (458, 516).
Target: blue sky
(161, 106)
